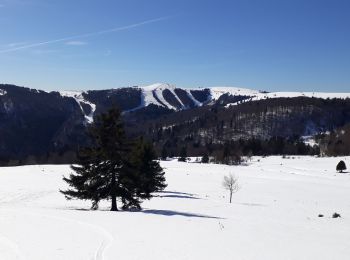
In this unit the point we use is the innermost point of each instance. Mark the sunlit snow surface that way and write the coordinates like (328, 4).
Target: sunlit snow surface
(274, 215)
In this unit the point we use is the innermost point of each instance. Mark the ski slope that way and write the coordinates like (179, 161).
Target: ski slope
(274, 215)
(154, 95)
(79, 98)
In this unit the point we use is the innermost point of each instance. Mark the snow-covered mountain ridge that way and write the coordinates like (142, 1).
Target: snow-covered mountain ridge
(175, 98)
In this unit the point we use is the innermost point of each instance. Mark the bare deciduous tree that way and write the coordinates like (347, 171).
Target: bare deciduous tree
(230, 183)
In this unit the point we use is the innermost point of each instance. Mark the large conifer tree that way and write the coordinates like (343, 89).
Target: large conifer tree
(111, 168)
(97, 173)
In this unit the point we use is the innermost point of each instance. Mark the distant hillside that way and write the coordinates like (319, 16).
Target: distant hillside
(47, 127)
(336, 142)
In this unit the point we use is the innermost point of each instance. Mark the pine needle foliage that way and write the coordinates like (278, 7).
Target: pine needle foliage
(114, 167)
(143, 175)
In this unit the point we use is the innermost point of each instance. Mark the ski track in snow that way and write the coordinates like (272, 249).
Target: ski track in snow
(99, 253)
(15, 252)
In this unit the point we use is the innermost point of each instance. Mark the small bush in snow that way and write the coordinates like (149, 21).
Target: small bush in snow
(341, 166)
(336, 215)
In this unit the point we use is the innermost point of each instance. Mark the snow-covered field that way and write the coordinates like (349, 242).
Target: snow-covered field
(274, 215)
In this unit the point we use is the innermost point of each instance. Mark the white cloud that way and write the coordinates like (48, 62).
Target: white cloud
(76, 43)
(86, 35)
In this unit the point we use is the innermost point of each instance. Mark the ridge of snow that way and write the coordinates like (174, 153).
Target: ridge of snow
(217, 92)
(153, 94)
(323, 95)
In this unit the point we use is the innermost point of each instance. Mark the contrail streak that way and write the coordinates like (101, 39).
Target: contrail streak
(116, 29)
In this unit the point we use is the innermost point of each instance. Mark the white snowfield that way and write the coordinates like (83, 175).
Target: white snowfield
(274, 215)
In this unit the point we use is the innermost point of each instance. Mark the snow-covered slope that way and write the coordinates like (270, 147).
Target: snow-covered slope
(154, 94)
(176, 98)
(217, 92)
(273, 216)
(78, 96)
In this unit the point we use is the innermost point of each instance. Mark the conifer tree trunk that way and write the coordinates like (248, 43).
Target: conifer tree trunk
(113, 194)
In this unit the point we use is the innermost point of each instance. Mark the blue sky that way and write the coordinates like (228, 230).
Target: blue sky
(274, 45)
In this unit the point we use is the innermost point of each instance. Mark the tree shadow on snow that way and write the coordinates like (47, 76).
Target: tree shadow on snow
(171, 213)
(176, 194)
(73, 208)
(179, 197)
